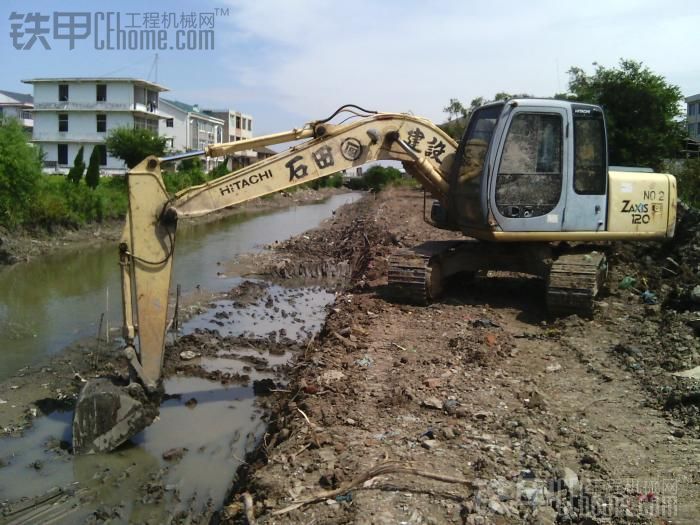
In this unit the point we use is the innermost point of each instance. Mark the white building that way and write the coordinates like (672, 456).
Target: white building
(237, 126)
(187, 128)
(19, 106)
(693, 115)
(74, 112)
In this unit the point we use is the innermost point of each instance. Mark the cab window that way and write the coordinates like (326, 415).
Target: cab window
(529, 177)
(590, 173)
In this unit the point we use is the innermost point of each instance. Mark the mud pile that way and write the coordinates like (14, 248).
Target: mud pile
(662, 337)
(356, 237)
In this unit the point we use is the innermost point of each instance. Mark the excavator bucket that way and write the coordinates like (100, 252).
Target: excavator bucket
(107, 414)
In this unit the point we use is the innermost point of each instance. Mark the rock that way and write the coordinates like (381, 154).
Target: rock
(191, 403)
(450, 406)
(568, 479)
(462, 412)
(497, 507)
(263, 387)
(482, 414)
(433, 382)
(545, 516)
(535, 400)
(449, 433)
(553, 368)
(430, 444)
(188, 355)
(174, 454)
(331, 376)
(432, 402)
(695, 294)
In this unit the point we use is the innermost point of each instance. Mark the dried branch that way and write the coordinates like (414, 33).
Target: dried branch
(381, 469)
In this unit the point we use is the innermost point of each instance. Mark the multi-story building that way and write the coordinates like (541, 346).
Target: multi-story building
(188, 128)
(693, 116)
(237, 126)
(74, 112)
(19, 106)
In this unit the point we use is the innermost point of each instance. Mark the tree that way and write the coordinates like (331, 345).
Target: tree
(132, 145)
(20, 173)
(76, 172)
(458, 114)
(457, 117)
(642, 111)
(92, 177)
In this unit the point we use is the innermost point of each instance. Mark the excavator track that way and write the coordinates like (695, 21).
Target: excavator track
(410, 277)
(415, 275)
(574, 281)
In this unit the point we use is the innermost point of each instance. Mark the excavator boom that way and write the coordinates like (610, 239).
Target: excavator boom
(148, 241)
(527, 172)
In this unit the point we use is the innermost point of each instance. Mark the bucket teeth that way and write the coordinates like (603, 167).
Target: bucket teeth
(106, 415)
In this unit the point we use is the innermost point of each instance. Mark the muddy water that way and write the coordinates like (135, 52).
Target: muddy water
(209, 425)
(49, 303)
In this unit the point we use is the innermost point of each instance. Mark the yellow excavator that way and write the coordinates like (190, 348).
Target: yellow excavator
(529, 186)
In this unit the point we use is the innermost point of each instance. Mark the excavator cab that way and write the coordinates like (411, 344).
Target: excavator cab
(530, 166)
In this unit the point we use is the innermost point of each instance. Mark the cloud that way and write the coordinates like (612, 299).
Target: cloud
(311, 56)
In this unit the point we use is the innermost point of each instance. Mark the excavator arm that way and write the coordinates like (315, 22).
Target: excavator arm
(147, 244)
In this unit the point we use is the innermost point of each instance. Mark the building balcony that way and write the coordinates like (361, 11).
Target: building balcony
(68, 136)
(99, 107)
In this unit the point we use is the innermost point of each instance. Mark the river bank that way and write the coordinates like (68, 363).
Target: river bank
(23, 246)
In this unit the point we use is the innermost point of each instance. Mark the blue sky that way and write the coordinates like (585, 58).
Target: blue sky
(287, 62)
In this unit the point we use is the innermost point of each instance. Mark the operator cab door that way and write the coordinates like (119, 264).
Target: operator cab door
(586, 194)
(528, 190)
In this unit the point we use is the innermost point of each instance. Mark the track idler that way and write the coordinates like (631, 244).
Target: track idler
(108, 414)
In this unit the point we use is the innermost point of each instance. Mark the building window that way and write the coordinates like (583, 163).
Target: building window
(250, 124)
(27, 115)
(63, 122)
(238, 122)
(63, 92)
(62, 154)
(102, 150)
(698, 131)
(101, 95)
(169, 123)
(101, 123)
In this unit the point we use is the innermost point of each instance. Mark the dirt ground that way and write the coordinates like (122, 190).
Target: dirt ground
(479, 409)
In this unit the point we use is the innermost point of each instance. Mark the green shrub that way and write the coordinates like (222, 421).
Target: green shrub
(132, 145)
(375, 178)
(51, 210)
(76, 172)
(219, 171)
(114, 195)
(20, 174)
(687, 172)
(92, 177)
